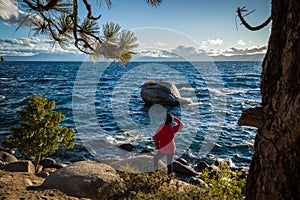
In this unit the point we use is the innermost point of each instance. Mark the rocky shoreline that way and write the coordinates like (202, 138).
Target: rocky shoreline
(81, 179)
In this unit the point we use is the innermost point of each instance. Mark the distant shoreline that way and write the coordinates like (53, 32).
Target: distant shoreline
(70, 61)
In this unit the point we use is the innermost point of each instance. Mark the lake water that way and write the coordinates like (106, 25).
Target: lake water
(102, 103)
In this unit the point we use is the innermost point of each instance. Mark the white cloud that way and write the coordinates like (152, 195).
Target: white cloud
(241, 42)
(215, 42)
(9, 11)
(11, 14)
(205, 43)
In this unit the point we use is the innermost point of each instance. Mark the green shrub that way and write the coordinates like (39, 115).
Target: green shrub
(151, 186)
(224, 183)
(39, 133)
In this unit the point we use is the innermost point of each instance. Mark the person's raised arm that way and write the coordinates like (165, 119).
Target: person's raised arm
(179, 125)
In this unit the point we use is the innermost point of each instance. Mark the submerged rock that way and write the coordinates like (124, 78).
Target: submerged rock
(126, 147)
(162, 92)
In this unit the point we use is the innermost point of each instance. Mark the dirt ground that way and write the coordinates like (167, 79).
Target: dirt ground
(23, 186)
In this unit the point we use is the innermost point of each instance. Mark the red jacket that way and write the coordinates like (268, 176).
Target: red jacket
(164, 137)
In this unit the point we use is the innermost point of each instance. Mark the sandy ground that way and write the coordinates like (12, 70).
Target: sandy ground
(20, 185)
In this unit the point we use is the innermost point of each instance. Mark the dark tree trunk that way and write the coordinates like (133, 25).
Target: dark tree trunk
(275, 168)
(37, 160)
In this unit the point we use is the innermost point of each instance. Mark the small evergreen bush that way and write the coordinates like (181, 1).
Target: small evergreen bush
(39, 133)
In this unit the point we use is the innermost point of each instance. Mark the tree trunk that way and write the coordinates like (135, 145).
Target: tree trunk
(274, 171)
(37, 160)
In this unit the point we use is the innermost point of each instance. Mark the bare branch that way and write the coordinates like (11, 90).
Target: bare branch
(248, 26)
(85, 45)
(50, 5)
(154, 3)
(89, 9)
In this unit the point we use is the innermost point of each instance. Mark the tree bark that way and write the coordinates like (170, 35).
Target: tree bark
(274, 172)
(37, 160)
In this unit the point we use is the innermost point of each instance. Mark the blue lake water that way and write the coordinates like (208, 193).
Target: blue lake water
(102, 103)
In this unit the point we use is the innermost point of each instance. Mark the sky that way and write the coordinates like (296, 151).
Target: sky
(186, 28)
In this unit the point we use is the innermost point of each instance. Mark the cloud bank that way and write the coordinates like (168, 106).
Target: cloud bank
(24, 47)
(189, 53)
(36, 49)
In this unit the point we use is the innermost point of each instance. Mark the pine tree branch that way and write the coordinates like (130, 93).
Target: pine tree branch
(50, 5)
(89, 9)
(248, 26)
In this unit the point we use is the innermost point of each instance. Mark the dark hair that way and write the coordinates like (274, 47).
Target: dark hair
(169, 118)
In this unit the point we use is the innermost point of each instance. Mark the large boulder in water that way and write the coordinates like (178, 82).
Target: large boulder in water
(162, 92)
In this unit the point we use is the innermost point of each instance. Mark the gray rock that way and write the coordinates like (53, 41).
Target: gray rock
(47, 162)
(163, 93)
(139, 163)
(127, 147)
(182, 161)
(10, 151)
(38, 169)
(81, 179)
(50, 170)
(20, 166)
(43, 174)
(202, 165)
(183, 169)
(58, 165)
(7, 157)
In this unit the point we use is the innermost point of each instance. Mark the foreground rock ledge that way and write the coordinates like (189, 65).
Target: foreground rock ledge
(81, 179)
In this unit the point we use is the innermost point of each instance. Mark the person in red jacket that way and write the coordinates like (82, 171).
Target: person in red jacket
(164, 141)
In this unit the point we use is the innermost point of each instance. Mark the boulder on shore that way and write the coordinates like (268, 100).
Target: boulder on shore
(82, 179)
(162, 92)
(183, 169)
(47, 162)
(7, 157)
(136, 164)
(20, 166)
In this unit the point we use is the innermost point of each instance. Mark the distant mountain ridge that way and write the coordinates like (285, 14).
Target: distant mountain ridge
(82, 57)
